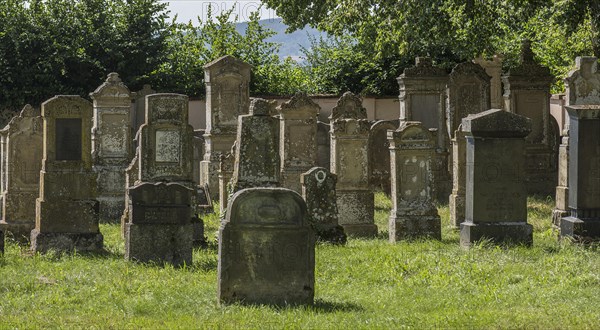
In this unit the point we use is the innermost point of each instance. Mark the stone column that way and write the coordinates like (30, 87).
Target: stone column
(298, 134)
(111, 144)
(459, 162)
(496, 199)
(350, 162)
(227, 82)
(413, 213)
(584, 174)
(494, 69)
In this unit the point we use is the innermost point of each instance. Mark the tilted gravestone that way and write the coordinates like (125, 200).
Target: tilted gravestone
(257, 148)
(266, 249)
(298, 134)
(379, 155)
(468, 93)
(493, 68)
(413, 213)
(111, 144)
(227, 82)
(527, 93)
(496, 199)
(160, 228)
(21, 162)
(318, 191)
(583, 88)
(350, 162)
(66, 209)
(423, 98)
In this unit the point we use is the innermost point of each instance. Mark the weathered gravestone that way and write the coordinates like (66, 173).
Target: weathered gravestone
(496, 200)
(140, 106)
(527, 93)
(318, 191)
(468, 93)
(226, 166)
(584, 173)
(298, 134)
(21, 162)
(379, 155)
(266, 249)
(227, 97)
(111, 144)
(66, 209)
(323, 145)
(413, 213)
(350, 162)
(583, 88)
(423, 98)
(494, 69)
(257, 148)
(160, 228)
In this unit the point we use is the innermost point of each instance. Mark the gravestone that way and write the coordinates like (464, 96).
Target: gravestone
(227, 97)
(160, 228)
(468, 93)
(413, 213)
(226, 166)
(318, 191)
(583, 88)
(140, 106)
(496, 199)
(423, 98)
(198, 153)
(20, 171)
(527, 93)
(111, 144)
(266, 249)
(257, 148)
(350, 162)
(323, 145)
(379, 155)
(298, 134)
(66, 209)
(493, 68)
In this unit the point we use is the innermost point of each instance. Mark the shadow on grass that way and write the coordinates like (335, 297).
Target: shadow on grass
(323, 306)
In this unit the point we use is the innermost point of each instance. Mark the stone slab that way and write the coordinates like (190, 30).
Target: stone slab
(417, 226)
(159, 243)
(66, 242)
(497, 232)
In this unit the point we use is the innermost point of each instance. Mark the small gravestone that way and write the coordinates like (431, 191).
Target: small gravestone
(160, 228)
(66, 209)
(318, 191)
(350, 162)
(413, 213)
(496, 199)
(493, 68)
(379, 155)
(20, 172)
(298, 134)
(266, 249)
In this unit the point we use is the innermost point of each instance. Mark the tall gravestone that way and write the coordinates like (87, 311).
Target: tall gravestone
(111, 144)
(164, 154)
(468, 93)
(583, 88)
(350, 162)
(266, 249)
(423, 98)
(318, 191)
(527, 93)
(379, 155)
(257, 148)
(298, 134)
(493, 68)
(227, 82)
(22, 144)
(323, 145)
(413, 213)
(496, 199)
(66, 209)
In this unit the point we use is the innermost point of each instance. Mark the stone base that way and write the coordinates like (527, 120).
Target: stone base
(415, 226)
(20, 232)
(66, 242)
(360, 230)
(331, 233)
(557, 216)
(198, 239)
(497, 232)
(159, 243)
(580, 229)
(456, 204)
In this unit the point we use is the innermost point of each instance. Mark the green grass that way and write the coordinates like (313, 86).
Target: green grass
(366, 284)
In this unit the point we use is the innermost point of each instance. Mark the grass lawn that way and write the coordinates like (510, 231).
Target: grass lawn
(366, 284)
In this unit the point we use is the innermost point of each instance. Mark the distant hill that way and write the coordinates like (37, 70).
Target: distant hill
(291, 43)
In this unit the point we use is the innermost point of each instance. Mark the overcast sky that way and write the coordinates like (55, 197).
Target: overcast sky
(190, 9)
